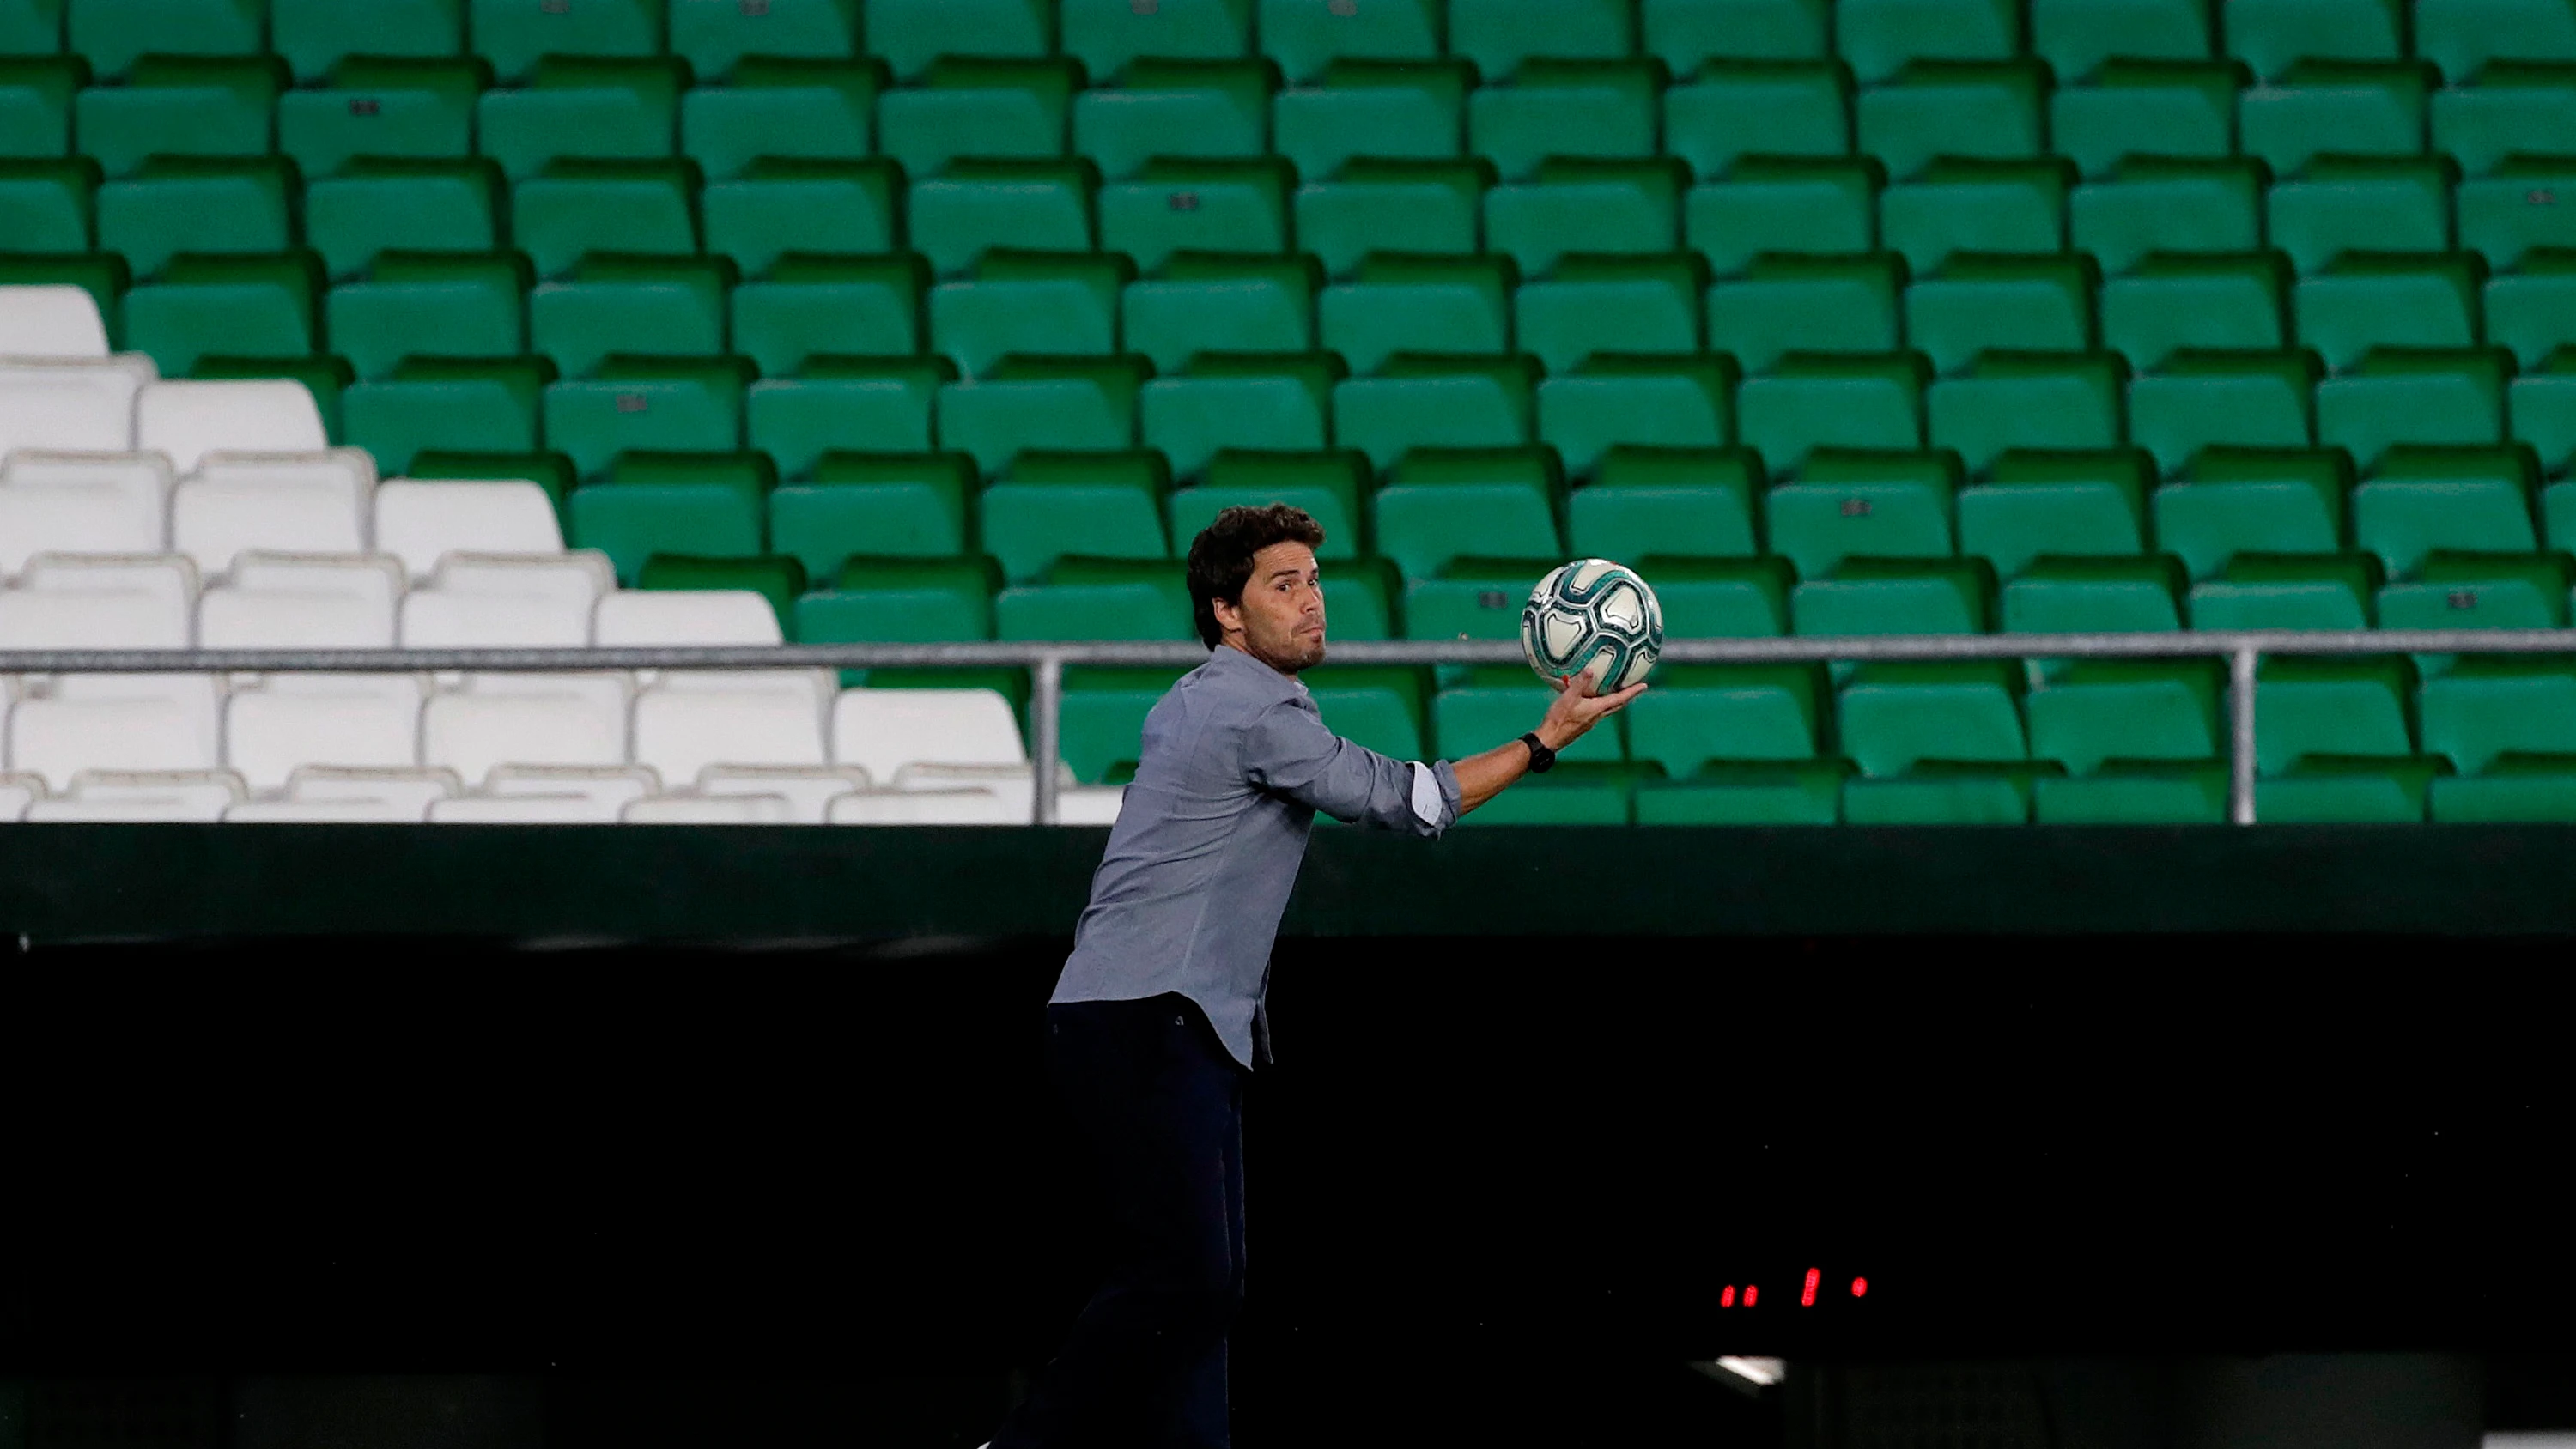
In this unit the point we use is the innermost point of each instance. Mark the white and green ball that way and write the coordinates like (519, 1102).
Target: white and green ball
(1593, 616)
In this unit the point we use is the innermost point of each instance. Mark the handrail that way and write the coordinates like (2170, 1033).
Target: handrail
(1046, 660)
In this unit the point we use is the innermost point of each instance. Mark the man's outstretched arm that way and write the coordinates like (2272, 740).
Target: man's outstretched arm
(1575, 710)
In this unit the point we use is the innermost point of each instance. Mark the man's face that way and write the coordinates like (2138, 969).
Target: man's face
(1282, 613)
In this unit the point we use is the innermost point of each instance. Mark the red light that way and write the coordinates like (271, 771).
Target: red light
(1807, 1296)
(1751, 1293)
(1727, 1298)
(1860, 1287)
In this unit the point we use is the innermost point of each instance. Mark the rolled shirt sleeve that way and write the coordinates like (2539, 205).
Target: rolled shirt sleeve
(1288, 749)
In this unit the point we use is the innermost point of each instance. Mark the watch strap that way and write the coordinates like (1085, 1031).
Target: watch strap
(1542, 759)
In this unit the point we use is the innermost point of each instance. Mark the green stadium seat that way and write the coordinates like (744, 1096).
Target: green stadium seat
(2242, 500)
(2544, 412)
(1198, 204)
(112, 34)
(446, 404)
(910, 34)
(1384, 708)
(36, 101)
(1863, 504)
(2531, 311)
(1798, 302)
(1328, 486)
(1878, 37)
(2459, 590)
(549, 471)
(1615, 399)
(1788, 792)
(2491, 704)
(1373, 205)
(2366, 107)
(1737, 108)
(2345, 789)
(1704, 713)
(313, 36)
(1596, 108)
(2142, 107)
(2508, 213)
(1448, 503)
(1815, 400)
(2012, 400)
(241, 305)
(1932, 108)
(1503, 36)
(2135, 792)
(1496, 704)
(1306, 38)
(650, 306)
(1784, 204)
(582, 206)
(795, 204)
(1896, 596)
(2414, 395)
(2271, 36)
(197, 204)
(893, 600)
(2070, 594)
(2421, 500)
(2514, 108)
(2076, 36)
(882, 506)
(1685, 33)
(1976, 302)
(1626, 304)
(1472, 598)
(974, 105)
(1106, 34)
(1216, 302)
(704, 504)
(375, 204)
(1359, 597)
(648, 404)
(1175, 108)
(1894, 716)
(1721, 598)
(1266, 401)
(1417, 302)
(2361, 203)
(1576, 204)
(776, 579)
(2288, 591)
(50, 205)
(715, 36)
(2515, 787)
(2174, 300)
(1058, 302)
(2461, 36)
(617, 108)
(31, 27)
(1583, 794)
(859, 404)
(1948, 792)
(514, 34)
(2203, 398)
(800, 108)
(2099, 710)
(1404, 109)
(1052, 505)
(1967, 205)
(2043, 501)
(1103, 721)
(1044, 205)
(1436, 400)
(2348, 705)
(1046, 402)
(1097, 598)
(421, 108)
(429, 304)
(839, 306)
(2168, 204)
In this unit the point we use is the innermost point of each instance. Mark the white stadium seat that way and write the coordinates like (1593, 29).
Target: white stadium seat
(17, 792)
(615, 785)
(807, 789)
(117, 722)
(82, 503)
(303, 601)
(1014, 785)
(73, 404)
(407, 787)
(421, 523)
(883, 730)
(546, 719)
(684, 618)
(201, 790)
(155, 809)
(710, 810)
(101, 601)
(52, 321)
(188, 420)
(1090, 805)
(363, 810)
(922, 807)
(680, 729)
(317, 502)
(507, 601)
(523, 810)
(289, 722)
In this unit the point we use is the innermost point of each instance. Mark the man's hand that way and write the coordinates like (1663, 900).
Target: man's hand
(1577, 708)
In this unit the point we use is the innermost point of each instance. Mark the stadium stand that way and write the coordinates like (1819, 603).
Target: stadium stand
(494, 325)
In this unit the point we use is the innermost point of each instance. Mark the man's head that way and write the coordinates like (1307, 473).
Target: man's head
(1253, 585)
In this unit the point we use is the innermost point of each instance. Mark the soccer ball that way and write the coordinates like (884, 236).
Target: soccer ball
(1593, 616)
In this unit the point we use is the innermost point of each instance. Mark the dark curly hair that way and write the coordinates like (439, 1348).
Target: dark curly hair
(1221, 556)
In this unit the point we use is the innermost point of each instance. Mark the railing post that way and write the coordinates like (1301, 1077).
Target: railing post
(2240, 753)
(1046, 722)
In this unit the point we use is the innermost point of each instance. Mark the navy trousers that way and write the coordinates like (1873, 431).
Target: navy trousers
(1160, 1103)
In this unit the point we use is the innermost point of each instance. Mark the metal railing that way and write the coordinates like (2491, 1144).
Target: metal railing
(1046, 662)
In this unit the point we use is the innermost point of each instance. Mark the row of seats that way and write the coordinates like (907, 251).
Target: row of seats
(1302, 37)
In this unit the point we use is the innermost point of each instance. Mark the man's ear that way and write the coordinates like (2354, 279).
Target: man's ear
(1229, 615)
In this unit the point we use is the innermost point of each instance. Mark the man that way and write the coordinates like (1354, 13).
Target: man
(1158, 1016)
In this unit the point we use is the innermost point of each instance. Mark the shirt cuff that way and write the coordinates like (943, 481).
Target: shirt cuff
(1435, 796)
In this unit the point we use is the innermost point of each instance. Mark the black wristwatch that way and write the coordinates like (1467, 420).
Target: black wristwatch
(1542, 759)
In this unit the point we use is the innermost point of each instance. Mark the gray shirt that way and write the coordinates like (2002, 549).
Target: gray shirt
(1188, 896)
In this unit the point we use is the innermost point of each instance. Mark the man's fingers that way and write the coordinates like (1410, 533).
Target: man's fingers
(1613, 703)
